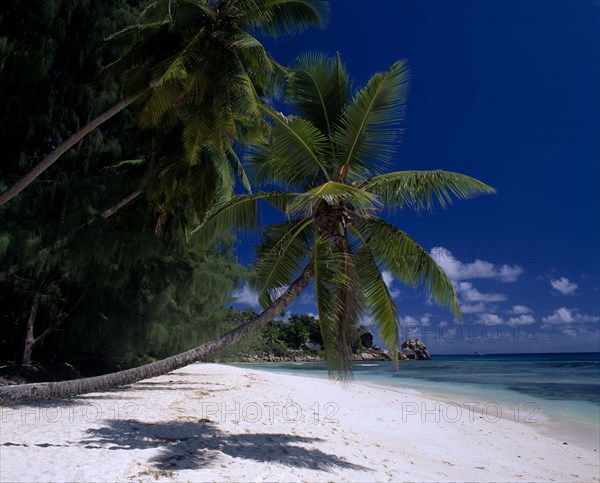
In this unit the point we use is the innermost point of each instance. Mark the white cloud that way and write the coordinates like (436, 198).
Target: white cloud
(568, 316)
(491, 319)
(570, 332)
(285, 317)
(388, 279)
(525, 319)
(409, 320)
(560, 316)
(564, 286)
(246, 296)
(307, 298)
(581, 332)
(473, 308)
(470, 294)
(520, 309)
(458, 270)
(508, 273)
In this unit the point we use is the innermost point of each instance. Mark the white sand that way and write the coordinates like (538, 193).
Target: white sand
(211, 422)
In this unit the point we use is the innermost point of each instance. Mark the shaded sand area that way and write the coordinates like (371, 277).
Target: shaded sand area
(209, 422)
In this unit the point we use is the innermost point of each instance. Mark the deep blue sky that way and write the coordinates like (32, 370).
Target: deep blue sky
(508, 92)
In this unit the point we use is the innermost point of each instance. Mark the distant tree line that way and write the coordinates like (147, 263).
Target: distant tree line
(297, 335)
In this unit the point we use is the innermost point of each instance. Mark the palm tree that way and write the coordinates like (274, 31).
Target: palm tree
(325, 165)
(196, 59)
(328, 161)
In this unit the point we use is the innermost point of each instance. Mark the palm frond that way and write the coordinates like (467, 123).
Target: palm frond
(179, 14)
(334, 193)
(279, 17)
(239, 167)
(240, 213)
(417, 189)
(350, 306)
(185, 60)
(368, 129)
(253, 56)
(410, 262)
(294, 152)
(328, 280)
(378, 302)
(281, 257)
(160, 100)
(318, 89)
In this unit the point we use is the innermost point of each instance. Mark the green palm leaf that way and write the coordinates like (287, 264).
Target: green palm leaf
(410, 262)
(183, 13)
(279, 17)
(297, 141)
(239, 213)
(351, 299)
(417, 189)
(239, 166)
(318, 88)
(368, 129)
(328, 281)
(378, 302)
(281, 257)
(334, 193)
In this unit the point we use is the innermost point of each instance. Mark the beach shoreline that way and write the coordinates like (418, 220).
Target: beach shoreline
(211, 422)
(556, 418)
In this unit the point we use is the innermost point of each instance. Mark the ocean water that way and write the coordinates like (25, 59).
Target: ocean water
(558, 394)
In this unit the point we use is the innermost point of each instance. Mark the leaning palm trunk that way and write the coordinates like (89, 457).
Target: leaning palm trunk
(52, 157)
(55, 390)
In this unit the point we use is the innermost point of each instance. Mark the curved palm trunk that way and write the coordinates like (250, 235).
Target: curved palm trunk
(52, 157)
(55, 390)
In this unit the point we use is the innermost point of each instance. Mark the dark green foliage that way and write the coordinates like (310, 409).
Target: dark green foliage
(171, 303)
(51, 84)
(300, 329)
(124, 289)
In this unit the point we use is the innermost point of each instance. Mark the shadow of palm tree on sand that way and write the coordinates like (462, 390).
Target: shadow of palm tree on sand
(186, 445)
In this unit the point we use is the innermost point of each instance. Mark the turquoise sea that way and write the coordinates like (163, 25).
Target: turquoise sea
(559, 394)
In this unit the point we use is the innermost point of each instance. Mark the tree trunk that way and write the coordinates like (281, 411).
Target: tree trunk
(52, 157)
(29, 338)
(45, 252)
(55, 390)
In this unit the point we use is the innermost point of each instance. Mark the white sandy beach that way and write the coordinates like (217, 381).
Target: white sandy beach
(209, 422)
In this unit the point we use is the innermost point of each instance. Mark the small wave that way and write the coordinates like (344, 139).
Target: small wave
(367, 365)
(406, 390)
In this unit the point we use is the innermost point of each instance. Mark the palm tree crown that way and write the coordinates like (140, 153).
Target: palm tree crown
(209, 76)
(199, 74)
(326, 168)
